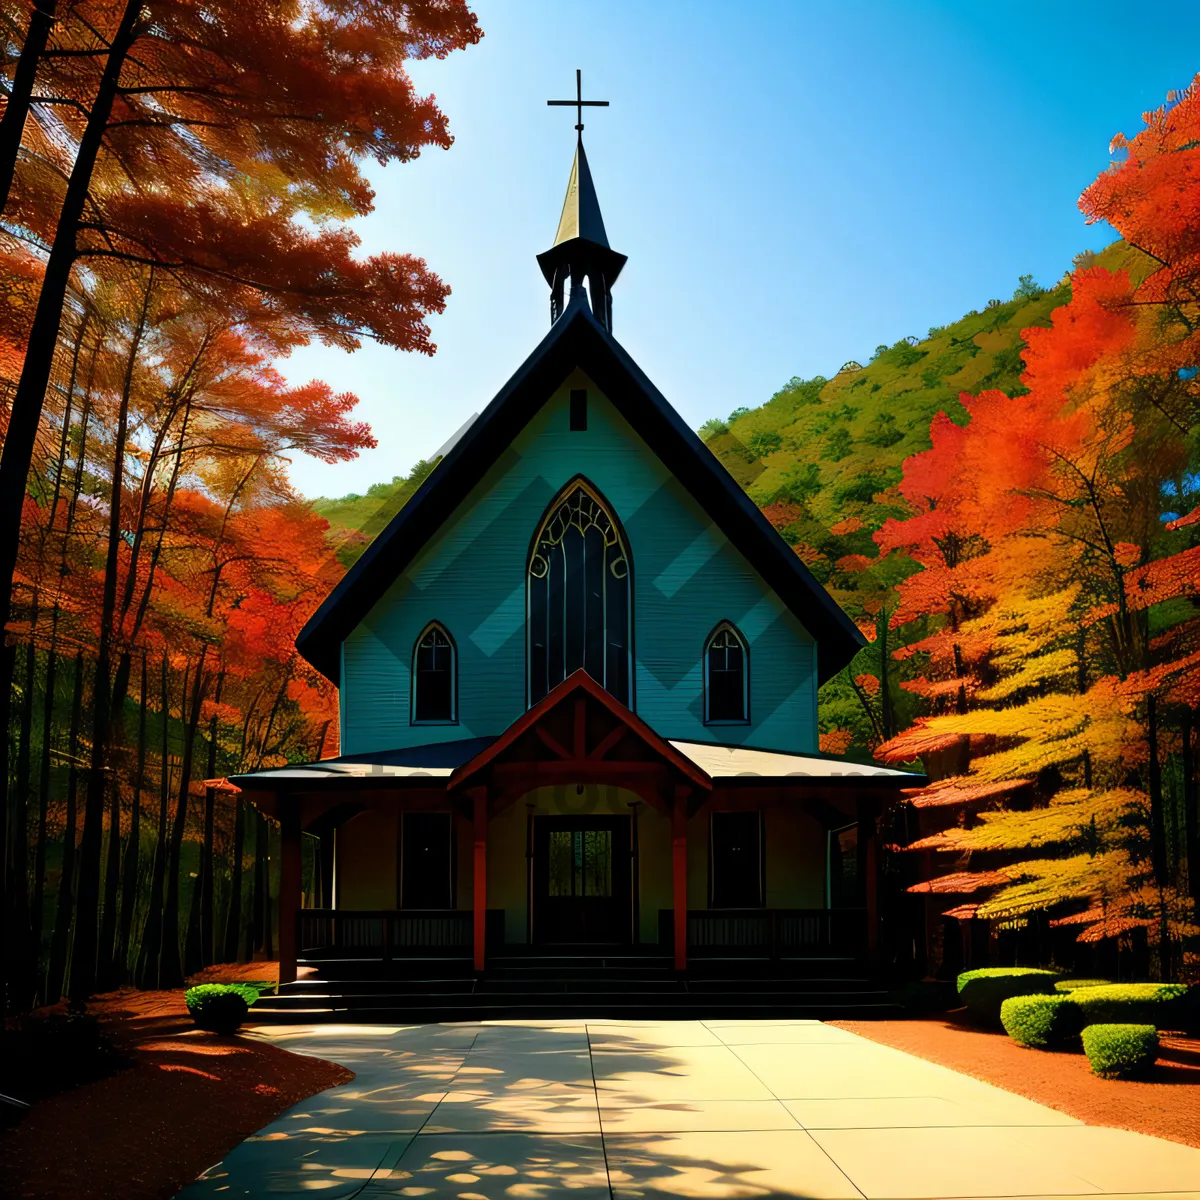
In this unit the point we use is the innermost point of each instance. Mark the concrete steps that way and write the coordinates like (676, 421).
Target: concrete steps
(575, 986)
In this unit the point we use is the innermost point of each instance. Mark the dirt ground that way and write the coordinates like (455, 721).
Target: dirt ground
(1167, 1106)
(145, 1132)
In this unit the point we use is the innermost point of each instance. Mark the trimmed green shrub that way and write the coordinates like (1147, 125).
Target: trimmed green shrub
(218, 1007)
(1120, 1051)
(1041, 1022)
(1069, 985)
(985, 989)
(1163, 1005)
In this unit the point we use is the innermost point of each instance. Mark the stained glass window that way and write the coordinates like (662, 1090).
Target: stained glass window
(725, 683)
(433, 677)
(579, 597)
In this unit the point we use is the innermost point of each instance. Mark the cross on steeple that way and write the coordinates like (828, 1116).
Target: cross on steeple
(579, 103)
(581, 258)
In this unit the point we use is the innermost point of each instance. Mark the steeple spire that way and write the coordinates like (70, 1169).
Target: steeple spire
(581, 250)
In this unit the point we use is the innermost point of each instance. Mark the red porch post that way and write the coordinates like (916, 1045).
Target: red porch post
(679, 874)
(479, 798)
(290, 897)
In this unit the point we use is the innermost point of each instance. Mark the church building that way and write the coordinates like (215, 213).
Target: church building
(578, 679)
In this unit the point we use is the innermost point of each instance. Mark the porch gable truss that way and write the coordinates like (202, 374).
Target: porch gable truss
(580, 734)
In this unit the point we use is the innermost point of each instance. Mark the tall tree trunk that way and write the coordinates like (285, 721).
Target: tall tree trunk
(86, 950)
(38, 918)
(208, 936)
(1191, 802)
(133, 847)
(23, 986)
(12, 125)
(37, 922)
(149, 968)
(1158, 836)
(173, 973)
(56, 973)
(8, 662)
(25, 414)
(106, 974)
(233, 923)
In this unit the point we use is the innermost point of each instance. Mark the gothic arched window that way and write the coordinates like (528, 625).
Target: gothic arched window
(434, 676)
(579, 596)
(726, 677)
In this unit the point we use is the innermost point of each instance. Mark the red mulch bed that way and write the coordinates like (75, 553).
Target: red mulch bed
(149, 1130)
(1167, 1106)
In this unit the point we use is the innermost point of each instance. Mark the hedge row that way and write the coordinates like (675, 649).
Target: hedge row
(1117, 1022)
(1164, 1005)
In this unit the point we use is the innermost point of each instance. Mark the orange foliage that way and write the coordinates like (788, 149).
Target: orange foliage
(1038, 528)
(836, 741)
(782, 514)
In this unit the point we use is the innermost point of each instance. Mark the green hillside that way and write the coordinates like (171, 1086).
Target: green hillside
(355, 520)
(824, 451)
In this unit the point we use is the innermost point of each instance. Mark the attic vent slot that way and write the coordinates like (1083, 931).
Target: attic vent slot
(578, 410)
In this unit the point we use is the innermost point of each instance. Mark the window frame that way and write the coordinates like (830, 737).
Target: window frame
(761, 865)
(431, 627)
(564, 493)
(726, 627)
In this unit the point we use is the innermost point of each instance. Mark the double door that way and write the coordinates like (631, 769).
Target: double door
(582, 880)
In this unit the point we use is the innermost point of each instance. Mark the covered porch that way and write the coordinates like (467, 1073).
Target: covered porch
(579, 830)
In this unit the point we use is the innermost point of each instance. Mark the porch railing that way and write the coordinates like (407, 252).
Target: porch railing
(770, 932)
(388, 934)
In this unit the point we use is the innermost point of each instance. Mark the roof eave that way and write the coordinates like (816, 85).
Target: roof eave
(580, 248)
(577, 339)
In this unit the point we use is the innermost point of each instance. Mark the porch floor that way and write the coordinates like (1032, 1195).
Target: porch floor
(703, 1109)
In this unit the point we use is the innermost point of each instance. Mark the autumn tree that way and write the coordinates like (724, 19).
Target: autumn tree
(1071, 623)
(187, 139)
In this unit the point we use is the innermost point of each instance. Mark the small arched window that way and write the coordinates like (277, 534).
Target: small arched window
(435, 684)
(726, 677)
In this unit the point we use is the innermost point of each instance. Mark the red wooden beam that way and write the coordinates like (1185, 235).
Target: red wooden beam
(552, 743)
(479, 800)
(580, 728)
(679, 874)
(577, 770)
(607, 742)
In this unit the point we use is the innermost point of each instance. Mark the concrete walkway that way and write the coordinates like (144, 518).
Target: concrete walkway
(712, 1109)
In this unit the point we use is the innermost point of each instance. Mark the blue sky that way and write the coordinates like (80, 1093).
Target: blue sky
(793, 183)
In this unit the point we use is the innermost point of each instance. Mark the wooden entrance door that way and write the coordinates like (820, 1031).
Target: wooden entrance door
(581, 880)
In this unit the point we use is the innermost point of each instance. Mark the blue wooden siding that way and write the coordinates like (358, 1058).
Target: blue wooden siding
(471, 577)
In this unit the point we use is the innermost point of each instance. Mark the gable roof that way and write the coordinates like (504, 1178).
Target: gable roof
(578, 686)
(578, 340)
